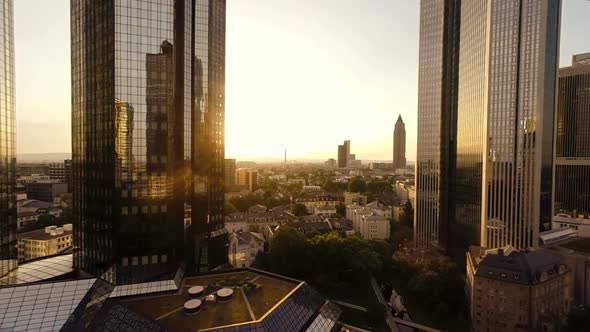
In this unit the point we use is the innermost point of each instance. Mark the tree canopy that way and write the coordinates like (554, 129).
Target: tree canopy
(357, 185)
(300, 210)
(322, 257)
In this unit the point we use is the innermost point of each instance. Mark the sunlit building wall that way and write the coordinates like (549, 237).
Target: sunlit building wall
(148, 105)
(521, 71)
(466, 224)
(8, 239)
(485, 158)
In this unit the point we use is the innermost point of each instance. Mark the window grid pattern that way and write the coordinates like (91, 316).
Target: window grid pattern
(209, 109)
(427, 212)
(437, 93)
(572, 153)
(148, 154)
(470, 123)
(41, 307)
(8, 239)
(39, 270)
(520, 106)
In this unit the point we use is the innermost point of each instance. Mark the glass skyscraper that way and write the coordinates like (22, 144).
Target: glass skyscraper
(572, 147)
(484, 169)
(148, 102)
(521, 71)
(437, 110)
(8, 241)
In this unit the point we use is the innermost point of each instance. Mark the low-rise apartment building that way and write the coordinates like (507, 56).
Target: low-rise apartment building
(351, 198)
(512, 290)
(374, 227)
(312, 201)
(44, 242)
(256, 221)
(243, 248)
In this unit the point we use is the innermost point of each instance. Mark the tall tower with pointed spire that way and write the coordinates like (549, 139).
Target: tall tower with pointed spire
(399, 144)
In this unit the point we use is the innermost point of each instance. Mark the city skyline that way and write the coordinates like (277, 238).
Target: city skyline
(43, 101)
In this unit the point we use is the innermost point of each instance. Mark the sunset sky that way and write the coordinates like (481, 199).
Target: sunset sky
(301, 74)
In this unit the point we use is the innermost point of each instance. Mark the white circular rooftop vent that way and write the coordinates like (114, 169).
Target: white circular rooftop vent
(225, 294)
(192, 307)
(196, 291)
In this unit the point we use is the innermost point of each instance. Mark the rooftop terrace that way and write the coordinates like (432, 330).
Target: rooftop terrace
(255, 294)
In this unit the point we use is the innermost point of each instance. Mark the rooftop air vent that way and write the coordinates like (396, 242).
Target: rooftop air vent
(192, 307)
(225, 294)
(195, 292)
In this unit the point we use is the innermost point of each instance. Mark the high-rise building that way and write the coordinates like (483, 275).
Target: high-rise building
(230, 172)
(248, 179)
(498, 141)
(61, 172)
(344, 155)
(148, 101)
(399, 144)
(347, 149)
(8, 239)
(437, 104)
(572, 136)
(57, 171)
(464, 229)
(341, 156)
(520, 84)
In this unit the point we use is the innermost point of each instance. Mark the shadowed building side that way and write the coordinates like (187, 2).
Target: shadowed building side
(572, 137)
(437, 103)
(8, 239)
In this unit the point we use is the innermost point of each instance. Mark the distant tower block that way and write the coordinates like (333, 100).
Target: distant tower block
(399, 144)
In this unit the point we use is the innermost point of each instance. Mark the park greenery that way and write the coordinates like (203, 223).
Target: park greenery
(335, 264)
(300, 210)
(402, 230)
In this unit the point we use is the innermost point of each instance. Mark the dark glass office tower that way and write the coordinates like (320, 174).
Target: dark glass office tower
(148, 102)
(8, 241)
(344, 155)
(572, 148)
(437, 116)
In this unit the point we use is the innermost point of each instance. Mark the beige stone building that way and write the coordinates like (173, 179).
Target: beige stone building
(44, 242)
(244, 246)
(351, 198)
(512, 290)
(374, 227)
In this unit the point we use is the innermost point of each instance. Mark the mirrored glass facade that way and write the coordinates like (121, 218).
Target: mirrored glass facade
(521, 79)
(8, 240)
(466, 225)
(148, 105)
(437, 111)
(572, 148)
(485, 133)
